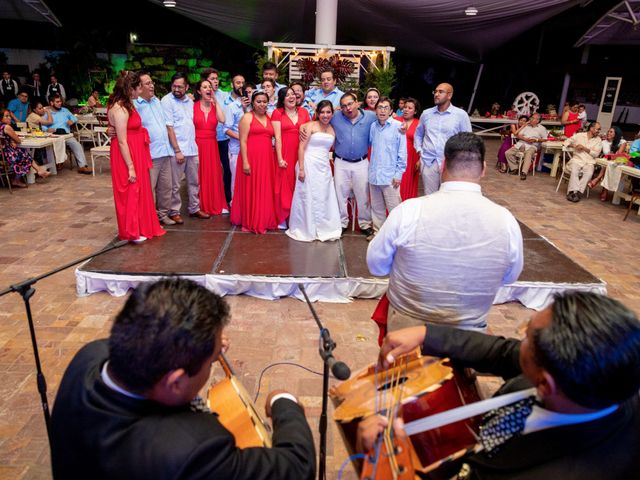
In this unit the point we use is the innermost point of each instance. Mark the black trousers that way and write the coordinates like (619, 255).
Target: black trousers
(223, 149)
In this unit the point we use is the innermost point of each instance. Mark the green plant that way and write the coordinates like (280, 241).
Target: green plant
(384, 79)
(260, 58)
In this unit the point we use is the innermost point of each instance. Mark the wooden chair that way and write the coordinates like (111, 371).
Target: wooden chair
(101, 149)
(4, 168)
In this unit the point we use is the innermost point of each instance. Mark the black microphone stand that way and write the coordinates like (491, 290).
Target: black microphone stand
(327, 345)
(26, 290)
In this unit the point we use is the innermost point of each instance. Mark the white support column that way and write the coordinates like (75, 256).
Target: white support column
(475, 87)
(326, 21)
(563, 95)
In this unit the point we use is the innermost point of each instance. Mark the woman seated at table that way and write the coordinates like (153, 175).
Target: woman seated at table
(610, 177)
(94, 100)
(511, 133)
(18, 159)
(39, 116)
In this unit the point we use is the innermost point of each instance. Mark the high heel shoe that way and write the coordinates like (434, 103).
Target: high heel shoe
(604, 194)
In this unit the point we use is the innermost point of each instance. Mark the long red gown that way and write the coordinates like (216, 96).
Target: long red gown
(285, 178)
(212, 199)
(135, 209)
(253, 206)
(409, 182)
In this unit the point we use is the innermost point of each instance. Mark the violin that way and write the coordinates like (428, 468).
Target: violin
(236, 411)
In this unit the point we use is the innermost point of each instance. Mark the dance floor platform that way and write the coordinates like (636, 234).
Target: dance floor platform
(231, 262)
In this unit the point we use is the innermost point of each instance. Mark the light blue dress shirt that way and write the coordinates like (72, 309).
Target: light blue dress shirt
(179, 113)
(155, 121)
(224, 99)
(435, 129)
(60, 119)
(232, 114)
(388, 152)
(352, 139)
(316, 95)
(19, 109)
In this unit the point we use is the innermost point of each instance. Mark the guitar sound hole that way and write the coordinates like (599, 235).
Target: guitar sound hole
(392, 384)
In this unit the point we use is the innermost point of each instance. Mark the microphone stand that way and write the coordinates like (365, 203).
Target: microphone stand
(327, 345)
(26, 290)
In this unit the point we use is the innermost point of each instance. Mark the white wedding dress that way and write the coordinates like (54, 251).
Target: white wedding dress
(314, 209)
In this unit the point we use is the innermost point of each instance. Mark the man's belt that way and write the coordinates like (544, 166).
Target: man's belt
(355, 160)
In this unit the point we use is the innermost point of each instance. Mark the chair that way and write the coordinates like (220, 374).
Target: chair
(635, 196)
(21, 126)
(565, 172)
(84, 132)
(534, 162)
(101, 148)
(4, 168)
(101, 116)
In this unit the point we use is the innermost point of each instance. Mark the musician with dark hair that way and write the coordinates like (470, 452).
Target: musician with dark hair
(125, 405)
(582, 355)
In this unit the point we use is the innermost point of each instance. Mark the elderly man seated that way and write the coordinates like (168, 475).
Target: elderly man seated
(529, 140)
(586, 148)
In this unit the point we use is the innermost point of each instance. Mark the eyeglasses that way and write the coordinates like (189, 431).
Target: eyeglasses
(148, 84)
(347, 105)
(440, 91)
(383, 107)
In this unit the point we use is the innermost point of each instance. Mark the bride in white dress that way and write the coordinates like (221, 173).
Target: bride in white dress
(314, 209)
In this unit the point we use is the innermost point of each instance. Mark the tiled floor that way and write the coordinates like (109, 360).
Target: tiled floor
(72, 215)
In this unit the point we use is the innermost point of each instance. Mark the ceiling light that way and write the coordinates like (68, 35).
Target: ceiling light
(169, 3)
(469, 11)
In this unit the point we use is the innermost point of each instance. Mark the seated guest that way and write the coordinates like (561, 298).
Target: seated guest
(507, 142)
(17, 158)
(62, 121)
(582, 355)
(586, 148)
(327, 91)
(610, 175)
(39, 116)
(19, 107)
(448, 253)
(94, 100)
(124, 411)
(529, 140)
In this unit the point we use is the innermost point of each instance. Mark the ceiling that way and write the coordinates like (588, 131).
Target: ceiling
(28, 10)
(437, 28)
(619, 26)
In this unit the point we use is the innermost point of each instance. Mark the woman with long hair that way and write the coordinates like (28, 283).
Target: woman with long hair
(253, 206)
(371, 98)
(411, 119)
(130, 165)
(314, 210)
(286, 120)
(507, 142)
(207, 113)
(610, 175)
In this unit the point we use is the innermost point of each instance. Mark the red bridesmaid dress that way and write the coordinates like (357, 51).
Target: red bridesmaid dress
(285, 178)
(212, 199)
(253, 206)
(572, 128)
(135, 208)
(409, 182)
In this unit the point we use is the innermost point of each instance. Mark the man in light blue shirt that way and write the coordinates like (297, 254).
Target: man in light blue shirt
(153, 119)
(327, 91)
(232, 114)
(387, 163)
(270, 72)
(178, 109)
(19, 107)
(62, 120)
(437, 125)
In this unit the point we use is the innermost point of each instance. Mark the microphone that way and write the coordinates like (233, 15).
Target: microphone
(340, 370)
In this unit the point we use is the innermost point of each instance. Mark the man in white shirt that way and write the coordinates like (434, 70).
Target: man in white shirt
(178, 108)
(448, 253)
(586, 148)
(529, 140)
(437, 125)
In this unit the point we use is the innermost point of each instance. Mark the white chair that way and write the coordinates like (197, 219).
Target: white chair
(84, 132)
(102, 148)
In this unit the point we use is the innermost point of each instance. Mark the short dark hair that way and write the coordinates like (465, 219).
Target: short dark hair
(268, 80)
(298, 83)
(526, 117)
(178, 76)
(328, 70)
(22, 90)
(269, 66)
(169, 324)
(208, 71)
(250, 85)
(384, 99)
(591, 349)
(53, 96)
(351, 94)
(464, 152)
(257, 93)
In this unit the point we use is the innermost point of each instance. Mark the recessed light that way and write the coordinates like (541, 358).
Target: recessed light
(469, 11)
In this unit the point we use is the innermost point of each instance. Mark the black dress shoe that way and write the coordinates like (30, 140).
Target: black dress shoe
(367, 232)
(345, 230)
(513, 172)
(523, 176)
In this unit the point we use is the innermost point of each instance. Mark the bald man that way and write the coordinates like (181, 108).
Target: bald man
(437, 125)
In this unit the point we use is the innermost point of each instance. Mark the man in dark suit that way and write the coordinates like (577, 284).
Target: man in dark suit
(123, 409)
(582, 354)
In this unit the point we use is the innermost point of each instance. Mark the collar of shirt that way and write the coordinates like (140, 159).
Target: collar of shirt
(541, 418)
(460, 186)
(113, 386)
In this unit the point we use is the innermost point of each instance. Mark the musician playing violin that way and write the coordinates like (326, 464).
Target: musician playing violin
(582, 355)
(125, 406)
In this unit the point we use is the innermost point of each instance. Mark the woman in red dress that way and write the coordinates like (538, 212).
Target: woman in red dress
(253, 205)
(371, 98)
(286, 121)
(130, 165)
(570, 120)
(206, 115)
(410, 118)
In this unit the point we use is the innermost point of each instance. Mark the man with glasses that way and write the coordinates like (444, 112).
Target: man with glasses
(586, 148)
(178, 108)
(154, 120)
(437, 125)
